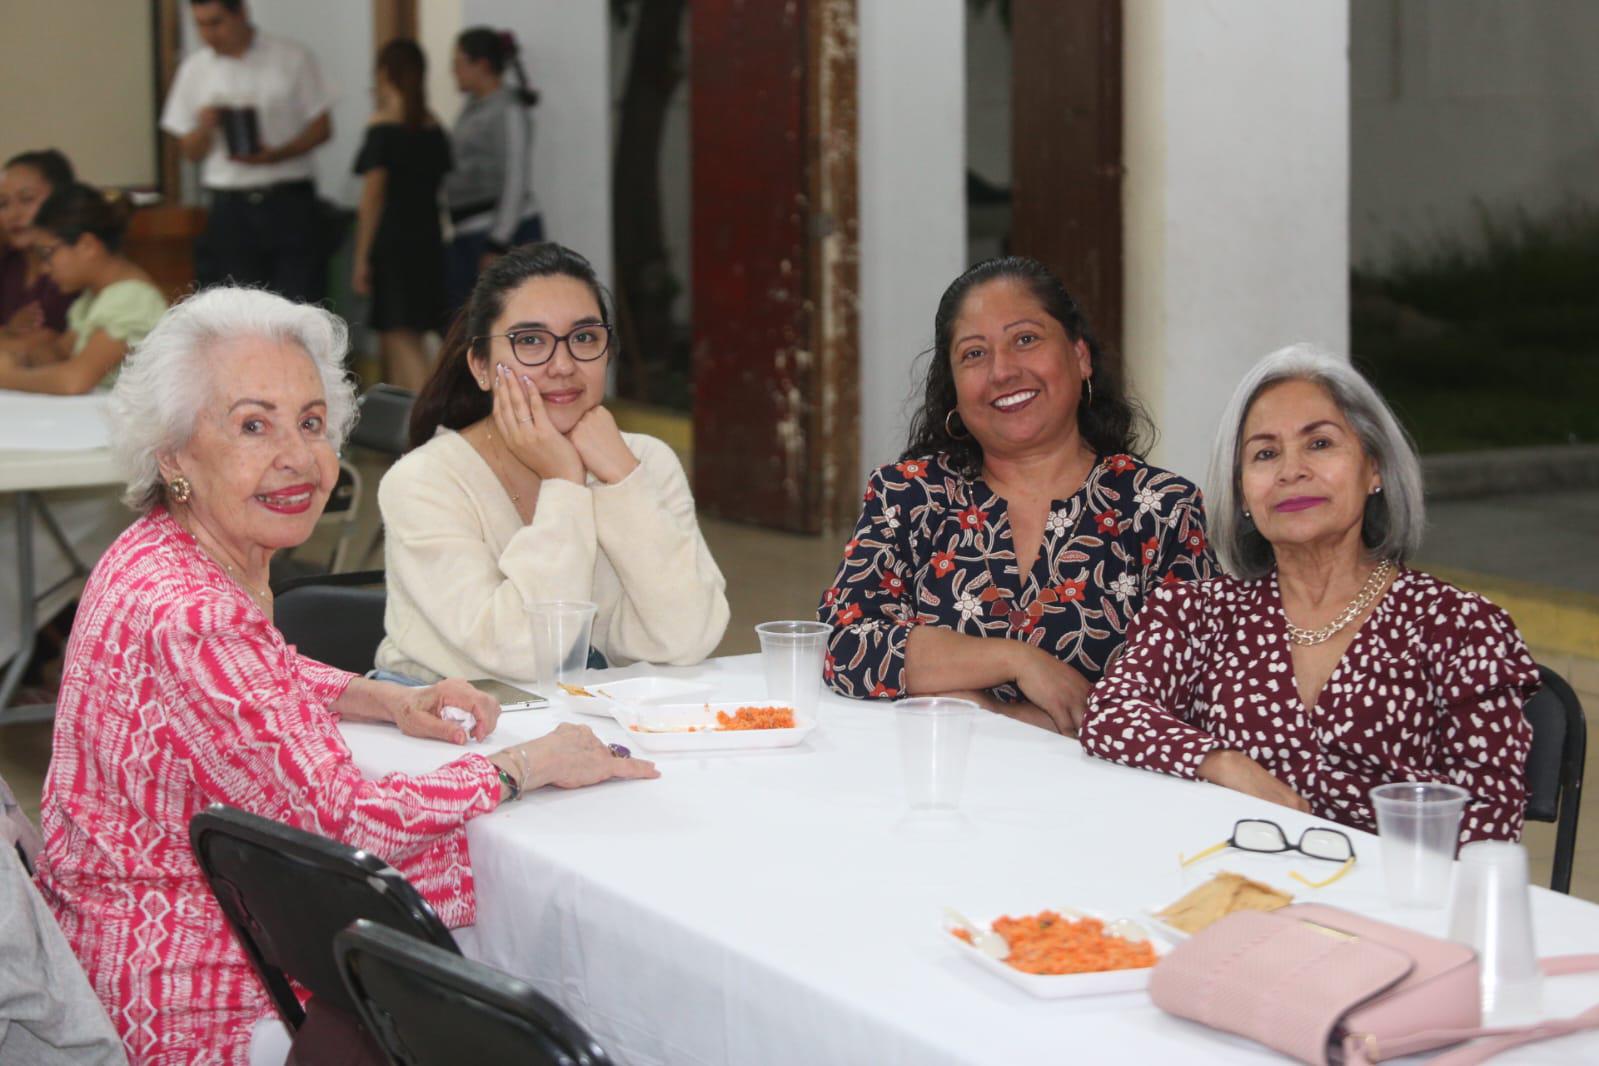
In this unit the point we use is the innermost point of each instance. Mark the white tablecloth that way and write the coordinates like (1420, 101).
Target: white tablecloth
(54, 446)
(780, 908)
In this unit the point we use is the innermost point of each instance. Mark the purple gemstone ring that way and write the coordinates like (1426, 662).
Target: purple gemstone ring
(620, 752)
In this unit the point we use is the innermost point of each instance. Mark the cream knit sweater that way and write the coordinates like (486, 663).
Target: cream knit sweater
(462, 566)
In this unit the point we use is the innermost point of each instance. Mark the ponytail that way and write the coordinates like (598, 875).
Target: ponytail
(528, 95)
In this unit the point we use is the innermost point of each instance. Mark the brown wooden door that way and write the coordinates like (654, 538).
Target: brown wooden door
(775, 408)
(1066, 136)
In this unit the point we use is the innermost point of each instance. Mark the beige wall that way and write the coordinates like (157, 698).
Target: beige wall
(78, 75)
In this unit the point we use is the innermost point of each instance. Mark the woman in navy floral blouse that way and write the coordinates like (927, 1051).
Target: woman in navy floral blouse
(1004, 555)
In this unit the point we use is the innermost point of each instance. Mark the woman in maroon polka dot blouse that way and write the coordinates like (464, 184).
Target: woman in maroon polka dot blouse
(1324, 666)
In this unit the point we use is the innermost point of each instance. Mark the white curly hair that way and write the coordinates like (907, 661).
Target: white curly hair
(166, 379)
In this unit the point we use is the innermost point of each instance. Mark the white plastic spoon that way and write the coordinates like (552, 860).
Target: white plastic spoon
(987, 941)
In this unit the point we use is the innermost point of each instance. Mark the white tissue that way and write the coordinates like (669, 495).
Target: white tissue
(459, 714)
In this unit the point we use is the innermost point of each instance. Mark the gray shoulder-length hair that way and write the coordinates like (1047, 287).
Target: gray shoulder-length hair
(166, 379)
(1394, 517)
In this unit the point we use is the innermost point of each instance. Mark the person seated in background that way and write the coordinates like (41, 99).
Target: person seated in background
(1321, 665)
(520, 488)
(32, 309)
(1005, 554)
(179, 691)
(76, 237)
(399, 242)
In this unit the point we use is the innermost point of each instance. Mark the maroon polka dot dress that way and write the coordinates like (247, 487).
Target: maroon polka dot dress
(1430, 689)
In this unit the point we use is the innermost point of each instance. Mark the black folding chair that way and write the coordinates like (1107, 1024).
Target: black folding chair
(384, 428)
(1554, 768)
(333, 618)
(286, 894)
(427, 1006)
(342, 512)
(385, 422)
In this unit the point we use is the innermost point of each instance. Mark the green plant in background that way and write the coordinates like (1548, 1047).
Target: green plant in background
(1489, 340)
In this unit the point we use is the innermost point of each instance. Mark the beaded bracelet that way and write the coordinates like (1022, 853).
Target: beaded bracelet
(509, 782)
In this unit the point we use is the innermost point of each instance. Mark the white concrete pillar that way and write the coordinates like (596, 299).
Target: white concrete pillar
(566, 50)
(912, 160)
(438, 23)
(1236, 200)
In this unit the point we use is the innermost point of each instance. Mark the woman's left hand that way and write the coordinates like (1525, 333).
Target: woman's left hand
(419, 711)
(601, 447)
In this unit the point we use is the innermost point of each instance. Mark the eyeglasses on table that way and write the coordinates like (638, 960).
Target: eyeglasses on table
(1267, 837)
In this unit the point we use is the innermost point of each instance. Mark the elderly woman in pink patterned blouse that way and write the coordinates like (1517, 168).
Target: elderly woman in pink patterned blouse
(1323, 666)
(179, 692)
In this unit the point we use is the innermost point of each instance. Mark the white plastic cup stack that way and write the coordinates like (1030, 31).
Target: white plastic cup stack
(935, 737)
(792, 655)
(561, 633)
(1492, 912)
(1419, 825)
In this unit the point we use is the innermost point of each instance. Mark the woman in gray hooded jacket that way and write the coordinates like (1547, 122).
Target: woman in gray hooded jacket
(490, 191)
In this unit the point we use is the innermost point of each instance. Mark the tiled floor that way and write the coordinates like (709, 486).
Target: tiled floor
(778, 575)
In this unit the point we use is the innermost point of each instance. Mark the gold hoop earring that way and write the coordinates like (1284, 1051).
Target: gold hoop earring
(180, 489)
(950, 430)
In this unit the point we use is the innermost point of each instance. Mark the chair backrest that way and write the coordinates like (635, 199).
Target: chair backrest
(334, 618)
(385, 422)
(1559, 746)
(427, 1006)
(286, 893)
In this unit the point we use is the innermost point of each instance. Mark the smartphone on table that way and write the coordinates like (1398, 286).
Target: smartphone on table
(510, 697)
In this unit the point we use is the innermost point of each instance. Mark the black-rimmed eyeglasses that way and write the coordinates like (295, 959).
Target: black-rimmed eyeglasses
(1259, 834)
(535, 347)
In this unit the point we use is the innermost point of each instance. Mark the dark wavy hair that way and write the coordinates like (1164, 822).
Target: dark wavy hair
(51, 163)
(451, 397)
(1113, 423)
(77, 209)
(498, 48)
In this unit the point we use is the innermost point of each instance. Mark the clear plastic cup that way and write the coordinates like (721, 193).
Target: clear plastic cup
(561, 632)
(935, 736)
(1419, 825)
(791, 654)
(1492, 911)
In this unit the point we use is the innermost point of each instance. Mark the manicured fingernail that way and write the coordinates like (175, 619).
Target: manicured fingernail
(527, 380)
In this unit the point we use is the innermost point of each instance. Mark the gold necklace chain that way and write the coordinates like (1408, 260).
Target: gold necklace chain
(262, 597)
(1357, 607)
(505, 482)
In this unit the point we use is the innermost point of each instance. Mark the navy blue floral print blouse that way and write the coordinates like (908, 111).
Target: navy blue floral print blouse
(934, 548)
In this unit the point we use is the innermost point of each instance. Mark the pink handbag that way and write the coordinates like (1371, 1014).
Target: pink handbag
(1325, 986)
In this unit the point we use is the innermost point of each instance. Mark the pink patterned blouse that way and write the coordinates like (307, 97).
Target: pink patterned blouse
(1430, 689)
(179, 693)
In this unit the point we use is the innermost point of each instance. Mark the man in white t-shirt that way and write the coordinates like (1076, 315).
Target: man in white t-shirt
(251, 108)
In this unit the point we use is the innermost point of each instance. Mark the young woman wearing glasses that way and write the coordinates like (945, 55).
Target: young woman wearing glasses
(520, 488)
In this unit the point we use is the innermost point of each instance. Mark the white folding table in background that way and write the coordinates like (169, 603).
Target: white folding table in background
(781, 908)
(47, 443)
